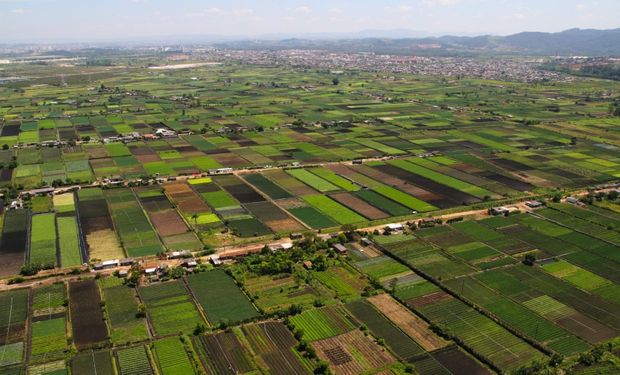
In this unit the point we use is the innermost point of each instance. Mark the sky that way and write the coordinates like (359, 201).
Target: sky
(111, 20)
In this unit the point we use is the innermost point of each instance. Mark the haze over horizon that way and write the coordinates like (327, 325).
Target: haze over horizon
(121, 20)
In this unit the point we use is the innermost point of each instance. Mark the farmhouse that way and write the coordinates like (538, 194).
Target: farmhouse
(180, 254)
(395, 227)
(534, 204)
(220, 171)
(215, 260)
(496, 211)
(165, 133)
(107, 264)
(341, 249)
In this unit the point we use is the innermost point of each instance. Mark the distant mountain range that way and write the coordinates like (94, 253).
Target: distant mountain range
(580, 42)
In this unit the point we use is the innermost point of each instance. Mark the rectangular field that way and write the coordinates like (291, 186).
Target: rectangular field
(220, 297)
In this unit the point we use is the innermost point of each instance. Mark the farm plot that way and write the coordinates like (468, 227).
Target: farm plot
(323, 323)
(14, 239)
(273, 343)
(172, 357)
(385, 204)
(519, 317)
(133, 361)
(13, 316)
(99, 363)
(137, 234)
(87, 321)
(399, 343)
(346, 282)
(312, 217)
(191, 206)
(170, 308)
(289, 183)
(412, 325)
(96, 222)
(220, 297)
(353, 353)
(239, 189)
(312, 180)
(43, 240)
(381, 267)
(360, 206)
(168, 223)
(274, 217)
(457, 361)
(482, 334)
(68, 241)
(52, 368)
(333, 209)
(47, 338)
(48, 300)
(271, 189)
(273, 293)
(589, 304)
(121, 309)
(64, 203)
(223, 353)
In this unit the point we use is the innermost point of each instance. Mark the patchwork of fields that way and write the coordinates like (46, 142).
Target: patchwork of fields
(480, 296)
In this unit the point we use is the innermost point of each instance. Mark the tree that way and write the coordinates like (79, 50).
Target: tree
(336, 81)
(141, 313)
(195, 218)
(529, 259)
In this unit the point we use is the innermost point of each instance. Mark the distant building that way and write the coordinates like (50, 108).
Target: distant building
(534, 204)
(180, 254)
(341, 249)
(220, 171)
(395, 227)
(496, 211)
(165, 133)
(296, 236)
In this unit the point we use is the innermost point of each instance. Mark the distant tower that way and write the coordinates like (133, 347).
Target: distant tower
(62, 80)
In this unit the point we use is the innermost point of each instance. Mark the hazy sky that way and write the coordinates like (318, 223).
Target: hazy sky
(44, 20)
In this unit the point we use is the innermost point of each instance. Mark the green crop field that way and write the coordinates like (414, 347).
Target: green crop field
(68, 242)
(323, 323)
(48, 338)
(333, 209)
(170, 308)
(133, 361)
(172, 358)
(220, 297)
(43, 239)
(121, 308)
(312, 180)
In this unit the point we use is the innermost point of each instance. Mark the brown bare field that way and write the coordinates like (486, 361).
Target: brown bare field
(104, 245)
(168, 223)
(147, 158)
(359, 206)
(186, 199)
(286, 225)
(341, 353)
(370, 251)
(412, 325)
(287, 203)
(428, 299)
